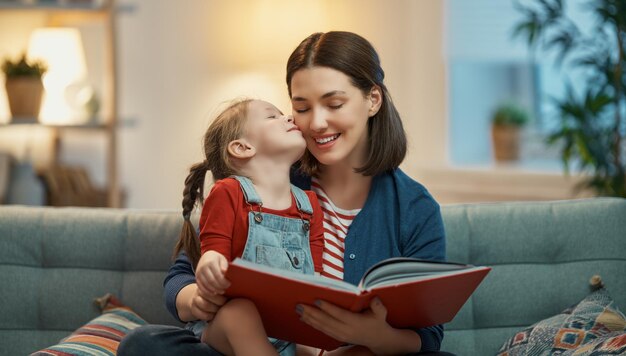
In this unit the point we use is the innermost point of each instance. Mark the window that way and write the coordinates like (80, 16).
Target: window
(486, 67)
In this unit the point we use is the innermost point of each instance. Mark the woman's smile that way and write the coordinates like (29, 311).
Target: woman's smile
(326, 140)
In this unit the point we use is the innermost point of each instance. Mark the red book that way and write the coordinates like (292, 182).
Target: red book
(416, 293)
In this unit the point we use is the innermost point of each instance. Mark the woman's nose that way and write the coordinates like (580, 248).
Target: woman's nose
(318, 122)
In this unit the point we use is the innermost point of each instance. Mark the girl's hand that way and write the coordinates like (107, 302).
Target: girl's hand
(210, 274)
(369, 328)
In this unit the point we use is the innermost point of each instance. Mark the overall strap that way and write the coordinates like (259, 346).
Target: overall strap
(302, 200)
(249, 193)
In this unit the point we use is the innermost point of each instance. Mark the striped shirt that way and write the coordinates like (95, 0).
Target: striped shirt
(336, 224)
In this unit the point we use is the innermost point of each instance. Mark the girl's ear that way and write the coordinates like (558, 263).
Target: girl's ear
(376, 100)
(241, 149)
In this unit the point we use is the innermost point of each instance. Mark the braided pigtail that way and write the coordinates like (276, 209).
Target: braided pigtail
(228, 126)
(193, 192)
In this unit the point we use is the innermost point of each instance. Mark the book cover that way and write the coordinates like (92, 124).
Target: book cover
(416, 294)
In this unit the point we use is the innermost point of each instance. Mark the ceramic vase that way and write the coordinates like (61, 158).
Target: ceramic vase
(25, 187)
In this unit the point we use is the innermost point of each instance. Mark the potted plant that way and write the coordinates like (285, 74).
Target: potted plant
(506, 126)
(592, 128)
(24, 86)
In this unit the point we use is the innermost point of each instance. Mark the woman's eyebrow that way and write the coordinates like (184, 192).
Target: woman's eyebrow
(327, 95)
(332, 93)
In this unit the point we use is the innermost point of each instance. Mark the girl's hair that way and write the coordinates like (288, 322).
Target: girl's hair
(354, 56)
(227, 126)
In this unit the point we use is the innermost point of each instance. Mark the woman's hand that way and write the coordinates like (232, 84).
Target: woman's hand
(201, 300)
(210, 274)
(369, 328)
(192, 305)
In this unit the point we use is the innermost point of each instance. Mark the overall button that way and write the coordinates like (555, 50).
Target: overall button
(296, 261)
(258, 218)
(352, 256)
(305, 226)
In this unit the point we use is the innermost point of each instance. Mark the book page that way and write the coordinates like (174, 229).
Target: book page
(406, 277)
(406, 268)
(305, 278)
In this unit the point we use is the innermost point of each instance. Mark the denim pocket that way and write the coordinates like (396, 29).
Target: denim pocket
(292, 259)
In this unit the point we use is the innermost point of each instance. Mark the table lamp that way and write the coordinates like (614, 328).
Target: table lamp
(61, 48)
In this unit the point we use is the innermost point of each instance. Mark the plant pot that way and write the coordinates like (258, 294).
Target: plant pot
(506, 142)
(24, 96)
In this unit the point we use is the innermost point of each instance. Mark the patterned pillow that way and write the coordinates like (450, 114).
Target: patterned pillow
(594, 326)
(100, 336)
(611, 344)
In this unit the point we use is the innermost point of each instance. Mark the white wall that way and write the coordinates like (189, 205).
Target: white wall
(178, 60)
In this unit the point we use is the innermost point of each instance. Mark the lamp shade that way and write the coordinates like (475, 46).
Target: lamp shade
(62, 50)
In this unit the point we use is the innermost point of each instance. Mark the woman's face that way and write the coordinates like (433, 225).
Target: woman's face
(332, 114)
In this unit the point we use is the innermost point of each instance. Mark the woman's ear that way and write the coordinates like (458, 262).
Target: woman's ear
(241, 149)
(376, 100)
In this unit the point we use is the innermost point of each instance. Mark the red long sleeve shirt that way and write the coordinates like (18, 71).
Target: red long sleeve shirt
(224, 221)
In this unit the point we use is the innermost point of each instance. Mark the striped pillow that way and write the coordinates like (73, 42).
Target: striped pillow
(100, 336)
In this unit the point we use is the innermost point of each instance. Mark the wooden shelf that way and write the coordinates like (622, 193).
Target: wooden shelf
(69, 13)
(33, 121)
(39, 5)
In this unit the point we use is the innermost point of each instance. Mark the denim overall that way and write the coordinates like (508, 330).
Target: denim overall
(276, 241)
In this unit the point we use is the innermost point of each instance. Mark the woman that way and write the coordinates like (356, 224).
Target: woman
(372, 210)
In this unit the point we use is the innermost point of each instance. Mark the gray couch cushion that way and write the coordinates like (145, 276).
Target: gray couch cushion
(54, 262)
(542, 254)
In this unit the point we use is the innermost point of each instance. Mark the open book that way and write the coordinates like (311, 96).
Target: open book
(416, 293)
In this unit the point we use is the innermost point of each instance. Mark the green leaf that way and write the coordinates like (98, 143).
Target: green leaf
(592, 114)
(23, 67)
(583, 151)
(529, 29)
(564, 42)
(598, 102)
(567, 154)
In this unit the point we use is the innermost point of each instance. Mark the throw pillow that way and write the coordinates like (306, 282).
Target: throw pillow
(100, 336)
(594, 326)
(612, 344)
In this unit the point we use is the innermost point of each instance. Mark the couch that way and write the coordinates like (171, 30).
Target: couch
(55, 261)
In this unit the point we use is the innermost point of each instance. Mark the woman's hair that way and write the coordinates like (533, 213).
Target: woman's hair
(227, 126)
(354, 56)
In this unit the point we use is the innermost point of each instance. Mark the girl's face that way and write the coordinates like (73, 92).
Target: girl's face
(332, 114)
(271, 132)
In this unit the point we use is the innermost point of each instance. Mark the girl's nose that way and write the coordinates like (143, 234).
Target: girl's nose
(289, 118)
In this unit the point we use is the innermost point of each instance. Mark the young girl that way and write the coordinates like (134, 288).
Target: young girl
(252, 212)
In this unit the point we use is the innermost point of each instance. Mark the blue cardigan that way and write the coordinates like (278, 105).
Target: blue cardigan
(399, 218)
